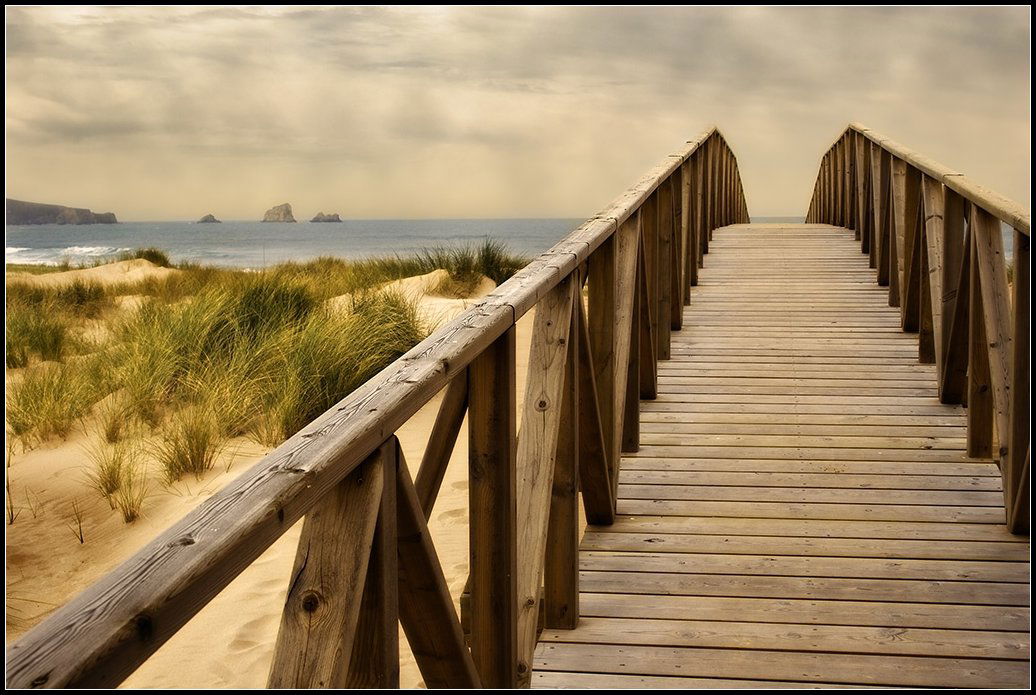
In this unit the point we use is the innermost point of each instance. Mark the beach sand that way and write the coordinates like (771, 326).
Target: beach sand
(230, 642)
(109, 274)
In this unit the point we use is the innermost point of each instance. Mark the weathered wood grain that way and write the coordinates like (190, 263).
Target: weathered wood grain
(322, 609)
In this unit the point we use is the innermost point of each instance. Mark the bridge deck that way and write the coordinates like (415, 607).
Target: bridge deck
(801, 510)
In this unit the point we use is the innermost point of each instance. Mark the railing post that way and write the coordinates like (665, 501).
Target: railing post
(700, 212)
(688, 230)
(911, 219)
(329, 596)
(561, 562)
(662, 279)
(980, 392)
(375, 659)
(1016, 468)
(602, 283)
(492, 513)
(894, 206)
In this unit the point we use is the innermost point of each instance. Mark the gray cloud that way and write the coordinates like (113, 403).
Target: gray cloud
(489, 111)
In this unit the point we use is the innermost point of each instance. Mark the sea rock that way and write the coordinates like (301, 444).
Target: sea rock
(279, 213)
(209, 219)
(23, 212)
(331, 217)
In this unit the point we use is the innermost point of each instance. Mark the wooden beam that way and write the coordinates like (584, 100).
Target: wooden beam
(561, 561)
(895, 228)
(648, 356)
(1016, 468)
(537, 448)
(663, 268)
(492, 512)
(933, 203)
(441, 441)
(375, 658)
(953, 375)
(954, 251)
(908, 221)
(992, 275)
(603, 308)
(426, 608)
(980, 396)
(594, 473)
(321, 611)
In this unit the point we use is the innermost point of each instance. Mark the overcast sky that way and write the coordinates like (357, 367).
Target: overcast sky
(493, 112)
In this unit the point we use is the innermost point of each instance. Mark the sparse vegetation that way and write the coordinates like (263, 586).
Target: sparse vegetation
(208, 355)
(48, 401)
(75, 523)
(189, 442)
(150, 253)
(35, 334)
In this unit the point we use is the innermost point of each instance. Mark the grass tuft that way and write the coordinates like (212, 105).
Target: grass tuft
(189, 442)
(47, 402)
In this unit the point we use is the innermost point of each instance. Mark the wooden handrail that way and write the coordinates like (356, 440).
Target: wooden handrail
(934, 238)
(346, 465)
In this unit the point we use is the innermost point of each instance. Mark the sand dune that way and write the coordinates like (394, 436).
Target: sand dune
(117, 273)
(230, 642)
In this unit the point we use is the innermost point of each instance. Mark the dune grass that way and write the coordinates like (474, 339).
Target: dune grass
(212, 354)
(150, 253)
(48, 401)
(35, 334)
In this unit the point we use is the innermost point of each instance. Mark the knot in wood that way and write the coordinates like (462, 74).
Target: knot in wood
(542, 404)
(310, 601)
(40, 681)
(523, 667)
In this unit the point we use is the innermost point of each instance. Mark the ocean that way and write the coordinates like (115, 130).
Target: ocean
(261, 244)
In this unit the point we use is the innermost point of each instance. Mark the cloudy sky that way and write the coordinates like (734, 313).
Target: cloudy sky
(493, 112)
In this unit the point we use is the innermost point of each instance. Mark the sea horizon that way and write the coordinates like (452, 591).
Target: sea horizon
(251, 244)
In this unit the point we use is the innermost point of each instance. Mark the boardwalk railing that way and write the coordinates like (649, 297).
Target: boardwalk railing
(934, 237)
(606, 298)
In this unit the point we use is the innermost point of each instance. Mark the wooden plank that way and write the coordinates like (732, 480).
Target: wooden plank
(992, 274)
(973, 498)
(980, 391)
(492, 511)
(957, 305)
(797, 480)
(648, 377)
(866, 669)
(807, 611)
(662, 273)
(828, 547)
(912, 220)
(807, 566)
(815, 510)
(375, 657)
(561, 561)
(798, 638)
(1016, 478)
(321, 611)
(934, 205)
(595, 476)
(626, 403)
(819, 467)
(603, 307)
(441, 441)
(537, 449)
(614, 681)
(426, 610)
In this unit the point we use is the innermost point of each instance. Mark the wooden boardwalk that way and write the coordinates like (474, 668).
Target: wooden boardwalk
(801, 511)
